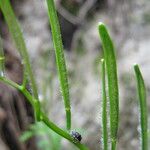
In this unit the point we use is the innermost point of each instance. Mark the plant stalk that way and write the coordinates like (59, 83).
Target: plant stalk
(43, 117)
(60, 59)
(111, 68)
(143, 108)
(104, 108)
(16, 33)
(2, 59)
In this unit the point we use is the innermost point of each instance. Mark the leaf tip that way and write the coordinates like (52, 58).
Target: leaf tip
(102, 60)
(136, 67)
(101, 26)
(135, 64)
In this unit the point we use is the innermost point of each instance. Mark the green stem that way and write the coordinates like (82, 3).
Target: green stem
(143, 107)
(25, 78)
(113, 144)
(2, 58)
(20, 44)
(61, 132)
(11, 83)
(111, 67)
(61, 65)
(43, 117)
(104, 108)
(19, 88)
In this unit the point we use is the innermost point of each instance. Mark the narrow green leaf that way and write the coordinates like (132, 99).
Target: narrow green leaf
(111, 67)
(104, 108)
(26, 136)
(16, 33)
(143, 107)
(60, 59)
(2, 59)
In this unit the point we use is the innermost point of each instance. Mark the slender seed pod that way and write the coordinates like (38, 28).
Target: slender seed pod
(111, 68)
(104, 108)
(60, 59)
(143, 108)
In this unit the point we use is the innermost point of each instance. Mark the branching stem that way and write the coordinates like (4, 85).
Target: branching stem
(43, 117)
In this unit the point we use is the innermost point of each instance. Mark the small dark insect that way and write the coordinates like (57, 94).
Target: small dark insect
(76, 136)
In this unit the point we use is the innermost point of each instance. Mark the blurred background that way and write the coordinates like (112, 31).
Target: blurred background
(129, 25)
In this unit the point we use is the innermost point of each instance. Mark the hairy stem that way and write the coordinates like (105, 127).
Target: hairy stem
(60, 59)
(143, 107)
(43, 117)
(104, 107)
(16, 33)
(111, 68)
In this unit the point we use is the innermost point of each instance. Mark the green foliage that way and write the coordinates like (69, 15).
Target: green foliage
(104, 108)
(143, 108)
(47, 139)
(61, 65)
(33, 99)
(111, 68)
(42, 128)
(17, 36)
(1, 59)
